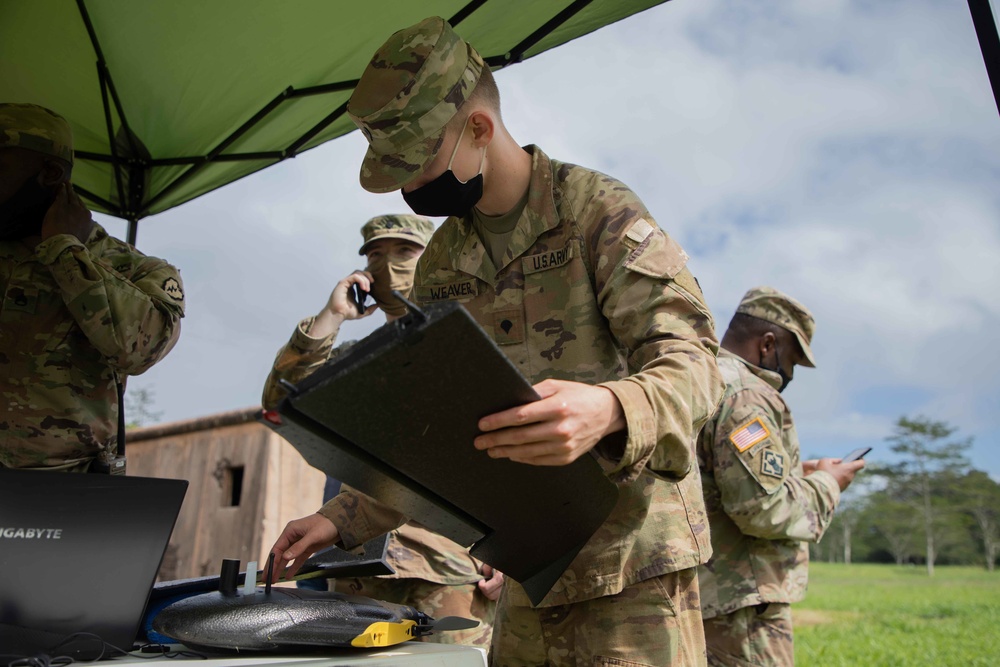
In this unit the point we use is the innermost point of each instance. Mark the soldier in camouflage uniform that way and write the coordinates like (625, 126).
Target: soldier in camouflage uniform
(568, 272)
(81, 310)
(764, 503)
(433, 574)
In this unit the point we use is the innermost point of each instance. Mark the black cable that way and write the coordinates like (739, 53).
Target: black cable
(107, 651)
(166, 652)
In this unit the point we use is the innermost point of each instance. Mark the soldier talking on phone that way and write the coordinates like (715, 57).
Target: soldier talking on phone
(80, 310)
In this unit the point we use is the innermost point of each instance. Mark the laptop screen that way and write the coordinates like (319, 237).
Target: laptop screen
(79, 554)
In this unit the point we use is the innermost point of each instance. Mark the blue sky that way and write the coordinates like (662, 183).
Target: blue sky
(845, 152)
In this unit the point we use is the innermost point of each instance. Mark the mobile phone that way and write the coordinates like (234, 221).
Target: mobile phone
(358, 297)
(858, 453)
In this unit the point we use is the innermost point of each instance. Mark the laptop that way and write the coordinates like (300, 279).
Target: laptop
(78, 557)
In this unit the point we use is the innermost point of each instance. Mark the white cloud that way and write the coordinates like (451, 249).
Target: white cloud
(846, 152)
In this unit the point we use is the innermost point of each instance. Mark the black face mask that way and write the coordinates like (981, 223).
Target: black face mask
(446, 195)
(21, 216)
(785, 377)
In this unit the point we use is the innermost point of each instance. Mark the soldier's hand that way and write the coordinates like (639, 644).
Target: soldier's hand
(566, 423)
(67, 215)
(339, 306)
(340, 302)
(809, 467)
(492, 583)
(842, 472)
(299, 540)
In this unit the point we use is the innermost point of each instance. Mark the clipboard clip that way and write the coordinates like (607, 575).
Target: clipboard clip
(418, 316)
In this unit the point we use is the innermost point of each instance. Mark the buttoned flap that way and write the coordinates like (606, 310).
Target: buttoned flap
(550, 259)
(122, 262)
(456, 290)
(653, 252)
(38, 319)
(756, 441)
(21, 299)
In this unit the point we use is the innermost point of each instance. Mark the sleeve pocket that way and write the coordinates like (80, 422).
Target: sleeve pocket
(654, 254)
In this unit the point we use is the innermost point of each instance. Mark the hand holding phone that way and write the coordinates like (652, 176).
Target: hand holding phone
(858, 453)
(357, 297)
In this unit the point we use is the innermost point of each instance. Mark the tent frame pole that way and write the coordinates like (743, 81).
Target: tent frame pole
(132, 207)
(989, 42)
(133, 231)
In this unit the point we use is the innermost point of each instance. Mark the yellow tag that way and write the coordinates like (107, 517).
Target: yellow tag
(384, 633)
(749, 434)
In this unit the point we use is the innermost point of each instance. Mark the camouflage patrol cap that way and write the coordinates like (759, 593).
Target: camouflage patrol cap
(415, 228)
(414, 84)
(770, 305)
(36, 129)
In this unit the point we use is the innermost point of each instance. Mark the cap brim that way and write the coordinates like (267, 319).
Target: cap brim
(389, 172)
(809, 360)
(392, 235)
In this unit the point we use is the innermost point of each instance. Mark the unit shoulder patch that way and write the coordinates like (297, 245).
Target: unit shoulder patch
(773, 464)
(173, 289)
(749, 434)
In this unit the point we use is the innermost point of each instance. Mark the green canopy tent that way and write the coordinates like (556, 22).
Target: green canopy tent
(170, 100)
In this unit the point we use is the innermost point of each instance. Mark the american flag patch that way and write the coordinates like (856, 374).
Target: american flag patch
(749, 434)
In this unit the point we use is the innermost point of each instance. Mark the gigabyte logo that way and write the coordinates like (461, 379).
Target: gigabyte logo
(31, 533)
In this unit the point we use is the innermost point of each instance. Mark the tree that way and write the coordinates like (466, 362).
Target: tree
(980, 498)
(928, 454)
(853, 501)
(139, 407)
(896, 522)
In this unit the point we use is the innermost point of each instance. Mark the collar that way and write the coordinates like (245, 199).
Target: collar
(539, 216)
(772, 379)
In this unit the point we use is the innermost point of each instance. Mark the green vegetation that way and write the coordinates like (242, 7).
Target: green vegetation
(926, 505)
(896, 616)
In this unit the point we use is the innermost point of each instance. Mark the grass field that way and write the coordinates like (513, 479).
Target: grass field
(875, 615)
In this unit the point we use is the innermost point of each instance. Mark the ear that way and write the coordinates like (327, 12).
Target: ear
(483, 128)
(53, 172)
(766, 344)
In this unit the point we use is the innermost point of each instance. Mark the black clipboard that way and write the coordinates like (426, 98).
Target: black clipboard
(395, 417)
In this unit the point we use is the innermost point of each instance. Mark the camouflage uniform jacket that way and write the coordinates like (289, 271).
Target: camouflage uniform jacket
(761, 509)
(413, 551)
(73, 317)
(591, 290)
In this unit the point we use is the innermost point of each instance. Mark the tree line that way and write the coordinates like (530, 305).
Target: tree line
(928, 507)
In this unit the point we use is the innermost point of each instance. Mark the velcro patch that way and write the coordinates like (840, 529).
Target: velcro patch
(546, 260)
(639, 230)
(749, 434)
(508, 327)
(21, 299)
(463, 289)
(173, 289)
(772, 464)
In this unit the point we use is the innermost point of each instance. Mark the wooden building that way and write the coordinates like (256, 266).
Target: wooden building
(245, 484)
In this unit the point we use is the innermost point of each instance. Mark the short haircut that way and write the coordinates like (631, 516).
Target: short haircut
(743, 328)
(485, 94)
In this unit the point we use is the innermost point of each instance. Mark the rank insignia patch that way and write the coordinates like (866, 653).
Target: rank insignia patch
(749, 434)
(773, 464)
